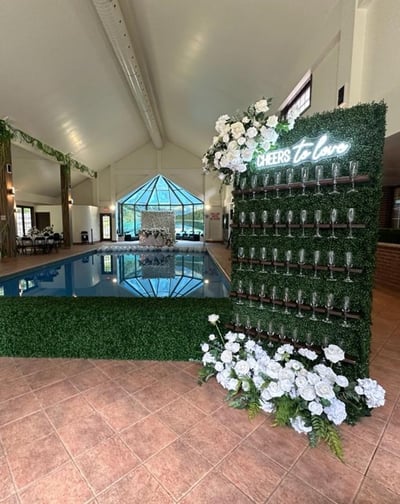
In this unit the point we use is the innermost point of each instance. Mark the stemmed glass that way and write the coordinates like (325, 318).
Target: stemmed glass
(314, 304)
(270, 333)
(303, 220)
(333, 222)
(242, 221)
(299, 302)
(309, 339)
(247, 325)
(250, 292)
(350, 220)
(345, 310)
(319, 173)
(286, 301)
(335, 174)
(253, 183)
(253, 223)
(242, 186)
(289, 220)
(261, 296)
(301, 262)
(277, 181)
(263, 256)
(277, 219)
(240, 257)
(259, 329)
(264, 220)
(252, 253)
(288, 258)
(331, 265)
(239, 291)
(353, 170)
(317, 218)
(304, 177)
(317, 256)
(274, 259)
(273, 298)
(328, 306)
(295, 336)
(348, 261)
(237, 322)
(289, 180)
(265, 184)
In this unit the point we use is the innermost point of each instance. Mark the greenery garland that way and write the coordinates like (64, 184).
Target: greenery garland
(8, 132)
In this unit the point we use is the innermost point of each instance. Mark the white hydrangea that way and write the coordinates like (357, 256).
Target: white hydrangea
(336, 412)
(373, 392)
(299, 425)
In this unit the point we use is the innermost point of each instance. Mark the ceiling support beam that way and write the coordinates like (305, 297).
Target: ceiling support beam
(111, 16)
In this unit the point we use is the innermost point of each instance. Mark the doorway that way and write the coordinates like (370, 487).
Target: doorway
(105, 227)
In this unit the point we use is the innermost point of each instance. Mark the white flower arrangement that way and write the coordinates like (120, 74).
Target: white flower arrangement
(240, 136)
(301, 388)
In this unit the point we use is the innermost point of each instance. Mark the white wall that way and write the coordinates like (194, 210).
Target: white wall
(55, 215)
(85, 218)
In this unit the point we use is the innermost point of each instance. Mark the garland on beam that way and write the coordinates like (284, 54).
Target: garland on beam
(8, 132)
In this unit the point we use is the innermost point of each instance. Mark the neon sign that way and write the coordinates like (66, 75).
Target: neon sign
(306, 150)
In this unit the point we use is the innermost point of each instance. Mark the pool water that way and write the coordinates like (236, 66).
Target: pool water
(148, 274)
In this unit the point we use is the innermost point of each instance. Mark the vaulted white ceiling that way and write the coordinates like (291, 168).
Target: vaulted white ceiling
(61, 81)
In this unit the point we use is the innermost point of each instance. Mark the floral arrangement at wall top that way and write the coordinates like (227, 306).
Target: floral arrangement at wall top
(241, 135)
(301, 388)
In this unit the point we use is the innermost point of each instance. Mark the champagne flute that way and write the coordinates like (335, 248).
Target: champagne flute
(253, 183)
(240, 257)
(261, 296)
(259, 330)
(317, 218)
(274, 259)
(288, 258)
(353, 171)
(250, 291)
(303, 220)
(242, 186)
(328, 307)
(253, 223)
(299, 302)
(295, 336)
(289, 220)
(247, 325)
(348, 261)
(239, 291)
(277, 219)
(319, 172)
(252, 252)
(301, 262)
(264, 219)
(314, 304)
(286, 301)
(350, 220)
(331, 265)
(289, 180)
(242, 221)
(317, 255)
(265, 184)
(263, 256)
(277, 181)
(345, 310)
(333, 221)
(304, 177)
(335, 174)
(237, 322)
(273, 298)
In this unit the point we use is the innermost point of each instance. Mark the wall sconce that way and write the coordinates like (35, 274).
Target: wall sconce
(70, 201)
(11, 191)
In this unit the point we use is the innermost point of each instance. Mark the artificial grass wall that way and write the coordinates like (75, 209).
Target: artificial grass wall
(107, 328)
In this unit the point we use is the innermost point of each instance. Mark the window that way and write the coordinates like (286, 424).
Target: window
(300, 98)
(24, 219)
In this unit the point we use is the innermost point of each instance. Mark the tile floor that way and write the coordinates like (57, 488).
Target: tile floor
(121, 432)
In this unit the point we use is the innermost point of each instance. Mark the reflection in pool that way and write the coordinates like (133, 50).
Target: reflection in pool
(149, 274)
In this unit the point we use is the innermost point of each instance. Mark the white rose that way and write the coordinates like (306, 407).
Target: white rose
(218, 155)
(232, 384)
(285, 349)
(251, 143)
(267, 406)
(232, 346)
(307, 392)
(286, 374)
(213, 318)
(307, 353)
(226, 356)
(247, 155)
(219, 366)
(285, 385)
(241, 168)
(241, 336)
(241, 140)
(275, 390)
(313, 378)
(272, 369)
(261, 106)
(266, 145)
(269, 134)
(294, 364)
(315, 408)
(324, 389)
(299, 425)
(208, 358)
(237, 129)
(272, 121)
(231, 336)
(334, 353)
(212, 337)
(225, 138)
(233, 145)
(205, 347)
(242, 368)
(342, 381)
(252, 132)
(245, 120)
(301, 381)
(245, 386)
(250, 345)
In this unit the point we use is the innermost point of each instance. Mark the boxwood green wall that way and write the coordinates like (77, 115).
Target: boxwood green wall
(364, 127)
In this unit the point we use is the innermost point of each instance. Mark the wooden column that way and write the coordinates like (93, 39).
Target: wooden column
(8, 245)
(66, 205)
